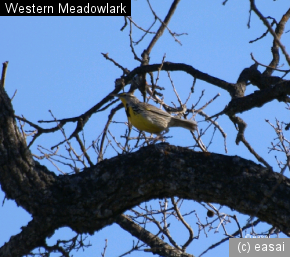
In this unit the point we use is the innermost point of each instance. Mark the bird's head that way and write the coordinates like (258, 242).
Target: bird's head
(126, 97)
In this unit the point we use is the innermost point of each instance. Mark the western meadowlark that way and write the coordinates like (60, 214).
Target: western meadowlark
(149, 118)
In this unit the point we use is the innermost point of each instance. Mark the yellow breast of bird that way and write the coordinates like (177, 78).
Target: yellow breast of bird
(143, 122)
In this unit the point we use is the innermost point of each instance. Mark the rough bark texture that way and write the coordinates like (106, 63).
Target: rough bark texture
(94, 198)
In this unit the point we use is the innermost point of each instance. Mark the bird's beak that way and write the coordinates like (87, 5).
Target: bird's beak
(113, 95)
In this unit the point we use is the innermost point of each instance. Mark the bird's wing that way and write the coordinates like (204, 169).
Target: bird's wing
(155, 110)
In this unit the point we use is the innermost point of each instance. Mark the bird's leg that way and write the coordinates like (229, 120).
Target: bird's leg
(160, 137)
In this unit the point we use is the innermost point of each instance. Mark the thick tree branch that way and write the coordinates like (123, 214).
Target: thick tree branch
(168, 66)
(32, 236)
(18, 172)
(258, 98)
(94, 198)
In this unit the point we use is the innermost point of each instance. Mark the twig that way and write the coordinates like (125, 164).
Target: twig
(147, 31)
(125, 23)
(241, 138)
(118, 143)
(240, 230)
(84, 150)
(105, 248)
(125, 70)
(265, 33)
(217, 126)
(15, 92)
(174, 89)
(158, 73)
(131, 44)
(163, 24)
(3, 76)
(227, 238)
(191, 237)
(112, 113)
(267, 66)
(206, 104)
(39, 129)
(266, 23)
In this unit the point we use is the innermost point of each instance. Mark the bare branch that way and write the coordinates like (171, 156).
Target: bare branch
(164, 24)
(253, 58)
(266, 23)
(157, 246)
(241, 138)
(191, 237)
(125, 70)
(3, 75)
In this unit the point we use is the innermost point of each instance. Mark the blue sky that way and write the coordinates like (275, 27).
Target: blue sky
(55, 63)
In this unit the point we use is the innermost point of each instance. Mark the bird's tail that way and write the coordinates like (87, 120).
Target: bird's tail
(187, 124)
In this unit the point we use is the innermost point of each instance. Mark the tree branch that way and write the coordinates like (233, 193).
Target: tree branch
(163, 25)
(3, 76)
(157, 245)
(266, 23)
(32, 236)
(168, 66)
(258, 98)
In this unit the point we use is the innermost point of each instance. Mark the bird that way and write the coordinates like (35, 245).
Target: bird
(149, 118)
